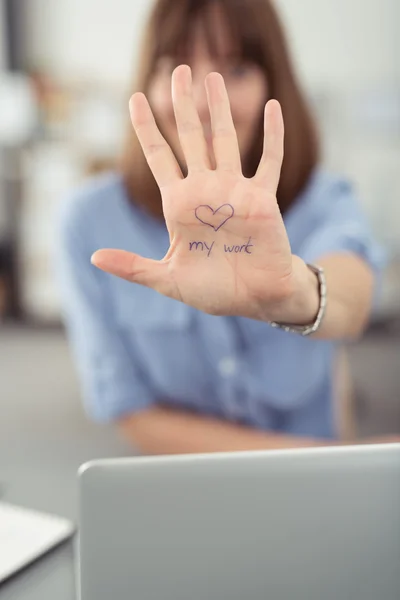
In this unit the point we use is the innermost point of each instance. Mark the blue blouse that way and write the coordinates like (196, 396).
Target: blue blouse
(134, 347)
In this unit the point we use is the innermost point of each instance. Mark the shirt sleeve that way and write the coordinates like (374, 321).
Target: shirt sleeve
(111, 381)
(341, 226)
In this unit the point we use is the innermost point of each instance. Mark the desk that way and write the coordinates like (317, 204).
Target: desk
(44, 478)
(44, 438)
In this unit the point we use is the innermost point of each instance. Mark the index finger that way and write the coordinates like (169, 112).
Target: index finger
(158, 153)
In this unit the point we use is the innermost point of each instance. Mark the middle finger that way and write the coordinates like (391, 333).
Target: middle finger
(188, 122)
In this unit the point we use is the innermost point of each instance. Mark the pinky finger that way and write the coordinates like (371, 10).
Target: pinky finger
(269, 170)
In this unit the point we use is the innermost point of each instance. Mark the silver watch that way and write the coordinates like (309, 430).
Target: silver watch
(305, 330)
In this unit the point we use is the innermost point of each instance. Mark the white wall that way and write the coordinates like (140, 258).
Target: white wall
(347, 43)
(86, 39)
(344, 42)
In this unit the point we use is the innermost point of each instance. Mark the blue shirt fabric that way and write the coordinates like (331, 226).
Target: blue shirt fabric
(134, 347)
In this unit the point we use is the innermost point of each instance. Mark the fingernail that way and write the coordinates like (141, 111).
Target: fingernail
(188, 80)
(189, 72)
(216, 86)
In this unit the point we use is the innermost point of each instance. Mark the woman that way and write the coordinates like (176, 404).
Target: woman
(247, 240)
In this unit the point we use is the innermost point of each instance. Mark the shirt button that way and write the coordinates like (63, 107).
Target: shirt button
(227, 366)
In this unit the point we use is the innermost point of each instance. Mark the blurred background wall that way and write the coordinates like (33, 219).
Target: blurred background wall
(81, 56)
(64, 84)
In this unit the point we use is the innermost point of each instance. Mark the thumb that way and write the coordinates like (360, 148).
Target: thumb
(134, 268)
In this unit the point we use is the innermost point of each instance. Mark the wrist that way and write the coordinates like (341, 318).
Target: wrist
(301, 305)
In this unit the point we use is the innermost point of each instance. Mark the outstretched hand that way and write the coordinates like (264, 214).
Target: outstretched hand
(229, 252)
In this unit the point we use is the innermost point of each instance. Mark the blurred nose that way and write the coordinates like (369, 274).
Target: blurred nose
(199, 92)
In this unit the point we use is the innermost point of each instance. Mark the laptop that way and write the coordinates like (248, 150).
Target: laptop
(315, 524)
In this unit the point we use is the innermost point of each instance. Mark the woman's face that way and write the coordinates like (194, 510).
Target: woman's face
(246, 85)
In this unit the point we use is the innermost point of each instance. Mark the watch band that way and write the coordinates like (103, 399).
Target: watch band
(306, 330)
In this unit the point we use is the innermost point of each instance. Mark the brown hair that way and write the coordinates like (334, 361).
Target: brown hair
(259, 36)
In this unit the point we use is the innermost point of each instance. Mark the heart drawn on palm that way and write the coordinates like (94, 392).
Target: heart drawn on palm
(214, 218)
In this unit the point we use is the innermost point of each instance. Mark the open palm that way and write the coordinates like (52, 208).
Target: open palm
(229, 251)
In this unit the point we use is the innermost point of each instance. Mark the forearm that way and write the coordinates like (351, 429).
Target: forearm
(349, 297)
(162, 430)
(351, 284)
